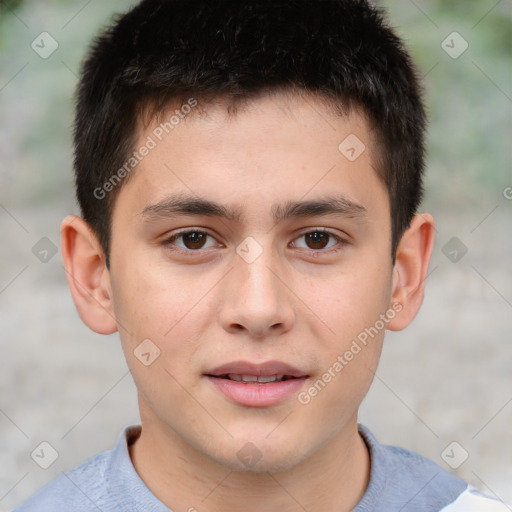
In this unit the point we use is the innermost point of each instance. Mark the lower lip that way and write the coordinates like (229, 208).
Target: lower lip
(252, 394)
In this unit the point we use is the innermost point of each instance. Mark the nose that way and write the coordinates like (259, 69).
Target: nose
(256, 298)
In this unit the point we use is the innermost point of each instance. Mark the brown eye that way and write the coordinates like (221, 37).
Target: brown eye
(191, 241)
(320, 241)
(317, 239)
(194, 239)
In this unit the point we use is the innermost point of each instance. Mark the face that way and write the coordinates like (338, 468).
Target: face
(246, 247)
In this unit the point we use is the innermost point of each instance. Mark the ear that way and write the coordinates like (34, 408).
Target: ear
(87, 274)
(410, 270)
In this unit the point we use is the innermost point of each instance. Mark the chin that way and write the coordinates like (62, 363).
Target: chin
(260, 456)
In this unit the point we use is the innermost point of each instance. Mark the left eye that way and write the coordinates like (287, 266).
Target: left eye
(319, 240)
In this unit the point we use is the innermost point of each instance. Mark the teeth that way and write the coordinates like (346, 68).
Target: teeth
(270, 378)
(254, 378)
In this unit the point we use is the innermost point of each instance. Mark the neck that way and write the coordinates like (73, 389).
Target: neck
(333, 479)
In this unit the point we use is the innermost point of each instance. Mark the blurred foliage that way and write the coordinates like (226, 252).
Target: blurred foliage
(492, 17)
(9, 6)
(469, 99)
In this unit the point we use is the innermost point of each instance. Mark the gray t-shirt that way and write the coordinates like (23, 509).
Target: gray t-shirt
(400, 481)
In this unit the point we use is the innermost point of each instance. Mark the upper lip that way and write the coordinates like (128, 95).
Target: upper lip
(265, 369)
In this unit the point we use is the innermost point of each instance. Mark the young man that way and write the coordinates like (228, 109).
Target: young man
(249, 175)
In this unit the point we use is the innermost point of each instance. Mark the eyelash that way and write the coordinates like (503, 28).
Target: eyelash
(191, 252)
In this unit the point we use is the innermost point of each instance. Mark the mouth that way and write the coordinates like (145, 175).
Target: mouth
(257, 385)
(262, 379)
(269, 371)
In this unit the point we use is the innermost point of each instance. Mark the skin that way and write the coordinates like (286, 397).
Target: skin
(298, 302)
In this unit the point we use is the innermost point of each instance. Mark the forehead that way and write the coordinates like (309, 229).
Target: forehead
(270, 149)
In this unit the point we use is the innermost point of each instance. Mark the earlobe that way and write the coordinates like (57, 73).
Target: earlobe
(410, 270)
(87, 275)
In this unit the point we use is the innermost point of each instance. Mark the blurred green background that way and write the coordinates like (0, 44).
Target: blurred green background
(469, 98)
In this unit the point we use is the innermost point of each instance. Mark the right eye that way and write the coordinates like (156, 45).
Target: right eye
(189, 242)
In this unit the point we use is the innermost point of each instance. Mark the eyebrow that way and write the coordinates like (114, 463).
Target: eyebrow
(176, 205)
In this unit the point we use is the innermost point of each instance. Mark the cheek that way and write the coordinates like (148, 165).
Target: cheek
(352, 300)
(349, 356)
(148, 298)
(163, 316)
(168, 308)
(362, 299)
